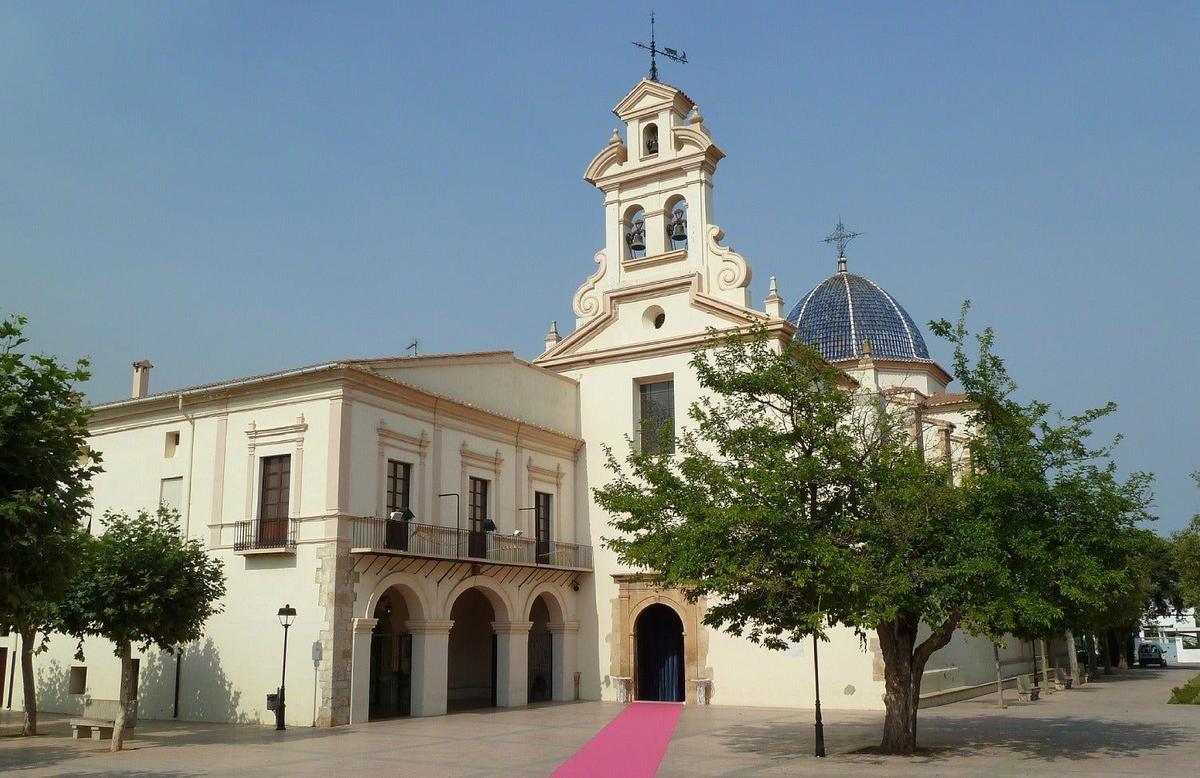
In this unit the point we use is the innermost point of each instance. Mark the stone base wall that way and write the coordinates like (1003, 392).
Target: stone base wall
(337, 601)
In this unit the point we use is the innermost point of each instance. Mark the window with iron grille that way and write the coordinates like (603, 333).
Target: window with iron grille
(399, 485)
(656, 416)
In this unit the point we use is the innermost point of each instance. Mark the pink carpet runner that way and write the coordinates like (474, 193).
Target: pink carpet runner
(631, 745)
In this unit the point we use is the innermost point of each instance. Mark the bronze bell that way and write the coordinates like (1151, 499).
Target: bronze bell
(636, 237)
(652, 145)
(679, 228)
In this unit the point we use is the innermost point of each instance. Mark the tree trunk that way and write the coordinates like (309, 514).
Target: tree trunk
(1106, 644)
(1093, 661)
(28, 688)
(127, 695)
(903, 664)
(1073, 659)
(1122, 649)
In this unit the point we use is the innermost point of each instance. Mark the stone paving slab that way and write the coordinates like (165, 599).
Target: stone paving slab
(1118, 725)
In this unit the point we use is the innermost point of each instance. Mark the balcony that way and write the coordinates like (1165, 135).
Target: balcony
(408, 538)
(265, 536)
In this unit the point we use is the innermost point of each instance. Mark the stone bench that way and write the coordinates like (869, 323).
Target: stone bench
(100, 717)
(1026, 691)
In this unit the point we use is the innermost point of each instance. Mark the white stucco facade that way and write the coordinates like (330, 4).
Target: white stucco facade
(416, 609)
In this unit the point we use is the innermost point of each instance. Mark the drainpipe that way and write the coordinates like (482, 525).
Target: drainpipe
(187, 499)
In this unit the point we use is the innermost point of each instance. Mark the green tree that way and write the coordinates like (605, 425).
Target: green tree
(45, 473)
(797, 505)
(142, 583)
(1185, 556)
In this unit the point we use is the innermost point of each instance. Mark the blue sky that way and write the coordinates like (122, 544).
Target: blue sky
(229, 188)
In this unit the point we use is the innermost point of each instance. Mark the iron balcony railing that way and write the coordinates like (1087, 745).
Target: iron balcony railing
(265, 534)
(409, 537)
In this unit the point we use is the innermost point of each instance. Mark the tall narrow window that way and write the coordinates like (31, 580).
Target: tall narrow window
(477, 518)
(399, 481)
(273, 500)
(541, 525)
(170, 493)
(656, 416)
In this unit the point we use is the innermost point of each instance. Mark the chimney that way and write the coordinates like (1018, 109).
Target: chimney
(141, 378)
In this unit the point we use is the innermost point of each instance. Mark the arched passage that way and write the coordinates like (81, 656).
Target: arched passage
(391, 659)
(471, 654)
(541, 652)
(658, 636)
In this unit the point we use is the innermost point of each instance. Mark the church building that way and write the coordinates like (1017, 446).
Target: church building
(430, 518)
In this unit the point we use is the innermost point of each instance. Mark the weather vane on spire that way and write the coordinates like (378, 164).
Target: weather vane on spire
(671, 54)
(840, 237)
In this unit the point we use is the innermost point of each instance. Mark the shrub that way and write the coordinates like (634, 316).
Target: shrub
(1188, 694)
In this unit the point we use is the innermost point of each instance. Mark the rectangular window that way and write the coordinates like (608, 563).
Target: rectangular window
(399, 481)
(273, 499)
(541, 525)
(77, 680)
(170, 494)
(477, 518)
(656, 415)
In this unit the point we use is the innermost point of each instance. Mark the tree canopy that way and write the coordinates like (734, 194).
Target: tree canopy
(1185, 554)
(45, 470)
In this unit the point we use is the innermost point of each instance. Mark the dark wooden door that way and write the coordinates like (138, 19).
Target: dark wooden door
(541, 526)
(273, 500)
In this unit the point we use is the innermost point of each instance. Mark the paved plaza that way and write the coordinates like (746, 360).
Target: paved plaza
(1118, 725)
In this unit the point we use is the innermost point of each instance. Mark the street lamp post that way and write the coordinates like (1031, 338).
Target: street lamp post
(817, 686)
(287, 614)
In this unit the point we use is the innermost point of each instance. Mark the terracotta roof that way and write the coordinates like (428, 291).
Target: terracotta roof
(946, 398)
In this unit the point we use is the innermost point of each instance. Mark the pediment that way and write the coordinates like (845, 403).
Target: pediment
(649, 96)
(624, 327)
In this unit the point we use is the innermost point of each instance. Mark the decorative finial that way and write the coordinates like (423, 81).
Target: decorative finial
(773, 305)
(694, 117)
(615, 137)
(866, 348)
(671, 54)
(552, 337)
(840, 237)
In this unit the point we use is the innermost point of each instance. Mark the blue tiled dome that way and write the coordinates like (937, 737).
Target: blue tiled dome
(845, 309)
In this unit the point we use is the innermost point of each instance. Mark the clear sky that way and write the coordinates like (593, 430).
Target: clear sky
(234, 188)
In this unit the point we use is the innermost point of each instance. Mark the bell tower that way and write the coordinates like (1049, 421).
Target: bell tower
(658, 203)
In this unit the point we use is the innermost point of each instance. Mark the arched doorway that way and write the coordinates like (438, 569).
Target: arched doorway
(541, 653)
(471, 655)
(658, 635)
(391, 659)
